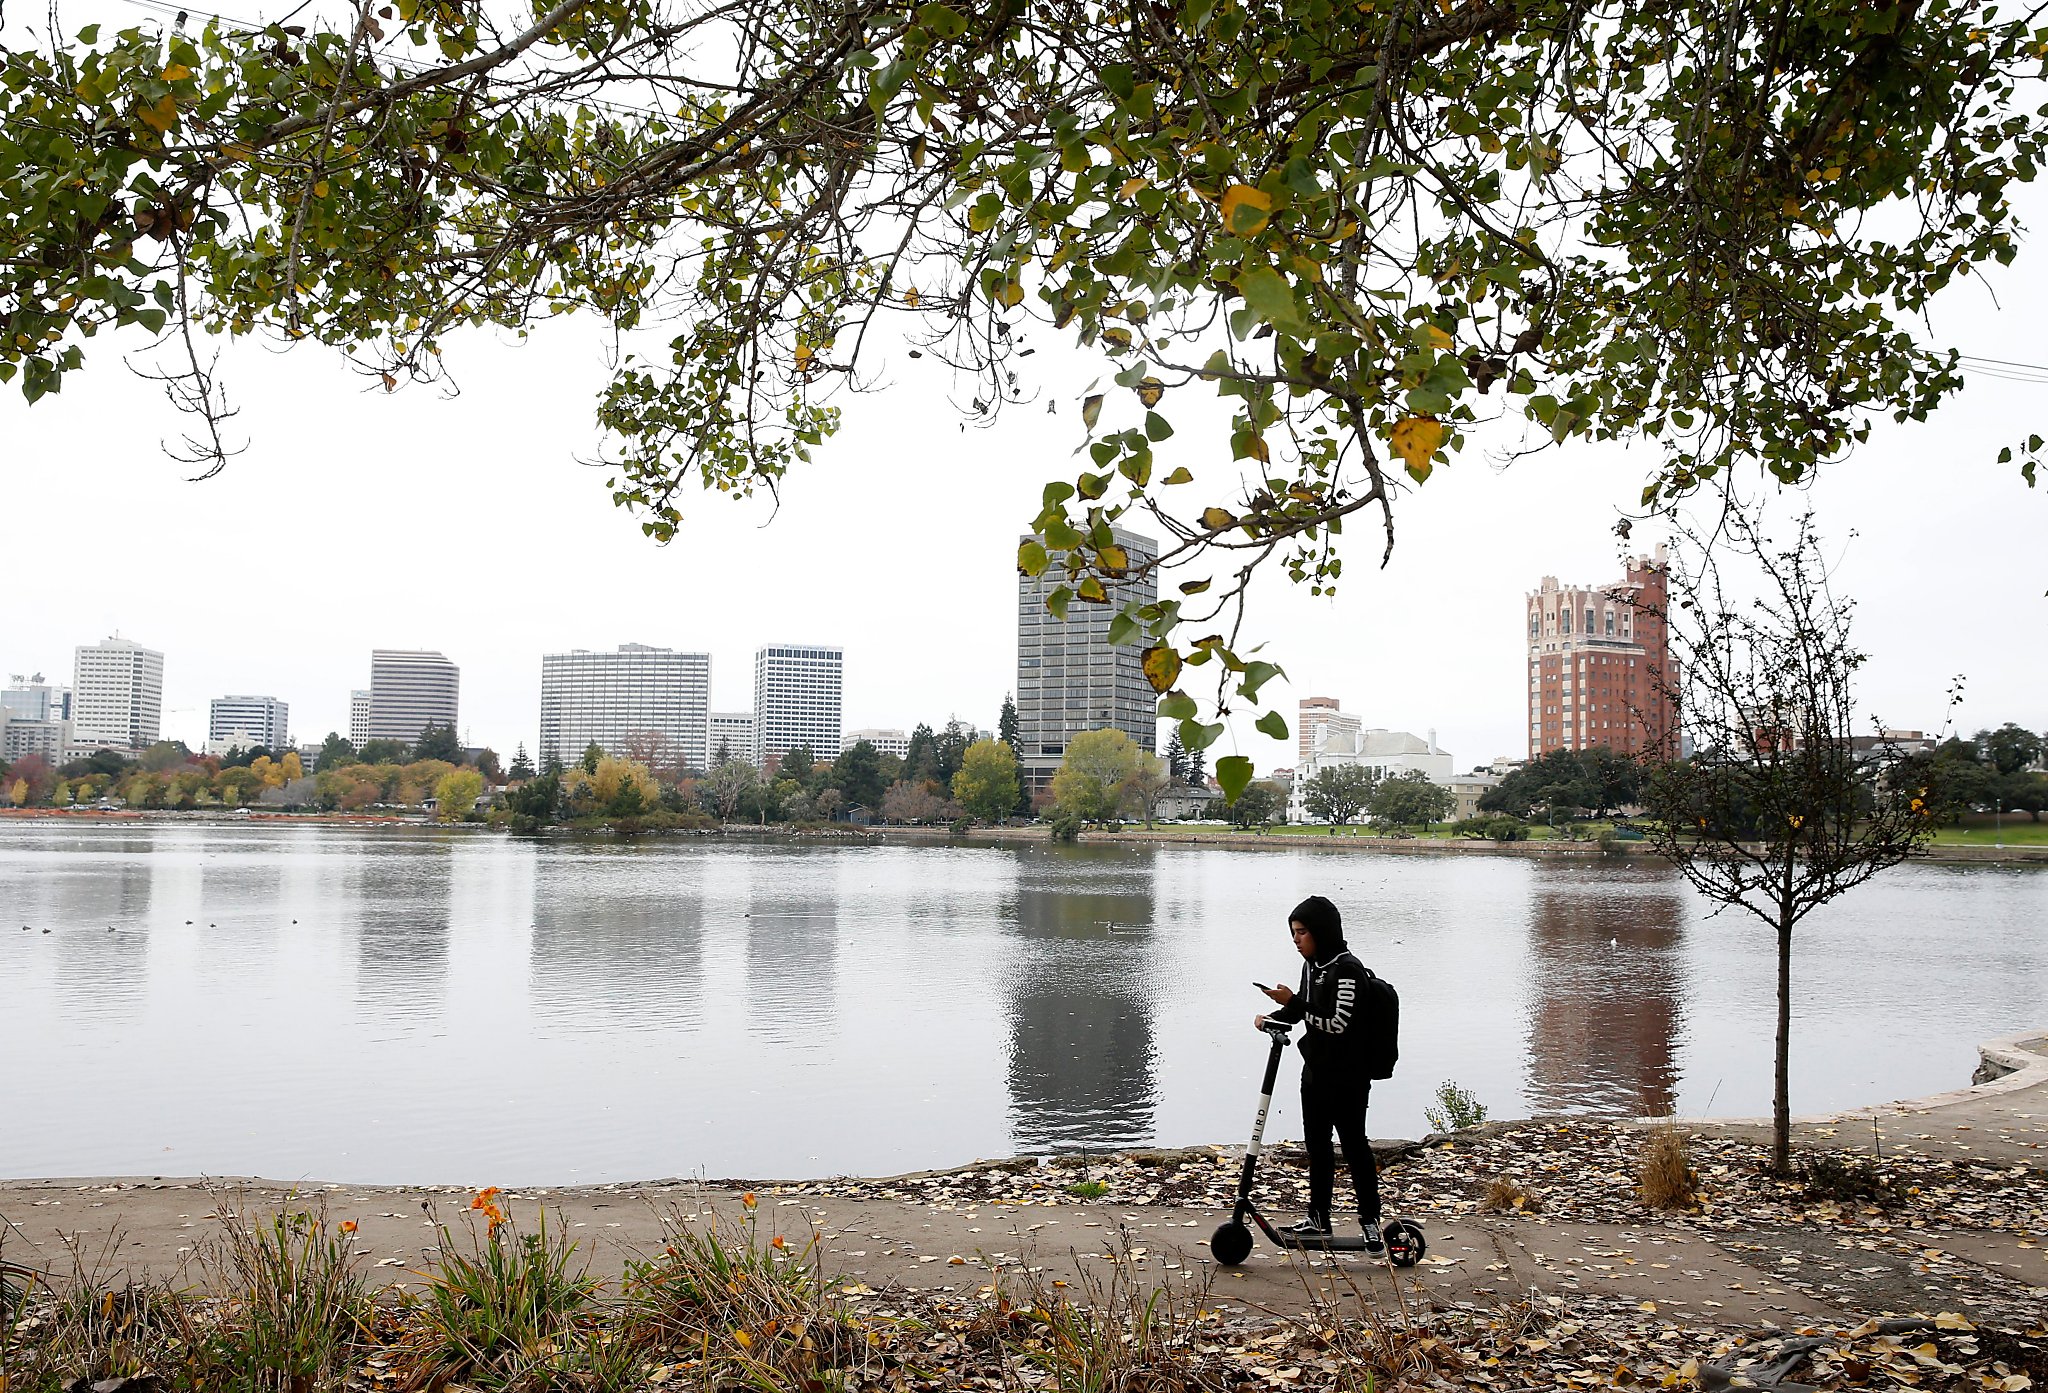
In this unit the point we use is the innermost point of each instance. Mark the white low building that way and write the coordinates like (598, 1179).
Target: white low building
(1386, 753)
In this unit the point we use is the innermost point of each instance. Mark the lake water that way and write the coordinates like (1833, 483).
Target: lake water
(321, 1003)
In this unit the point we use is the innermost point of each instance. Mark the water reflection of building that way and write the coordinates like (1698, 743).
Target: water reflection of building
(614, 946)
(1607, 991)
(396, 904)
(1082, 1067)
(97, 971)
(792, 933)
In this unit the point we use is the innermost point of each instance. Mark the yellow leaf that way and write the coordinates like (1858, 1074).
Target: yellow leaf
(1091, 410)
(320, 189)
(1415, 440)
(176, 72)
(161, 116)
(1435, 337)
(1010, 294)
(745, 1340)
(1091, 590)
(1150, 391)
(1180, 475)
(1951, 1320)
(1115, 560)
(1162, 666)
(910, 297)
(1245, 209)
(1131, 186)
(1216, 519)
(803, 357)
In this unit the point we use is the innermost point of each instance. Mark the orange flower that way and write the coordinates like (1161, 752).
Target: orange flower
(485, 1196)
(748, 1199)
(776, 1242)
(348, 1226)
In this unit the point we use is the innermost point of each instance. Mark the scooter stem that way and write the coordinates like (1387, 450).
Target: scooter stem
(1251, 1155)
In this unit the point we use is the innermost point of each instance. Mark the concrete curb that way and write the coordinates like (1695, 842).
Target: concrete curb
(2019, 1061)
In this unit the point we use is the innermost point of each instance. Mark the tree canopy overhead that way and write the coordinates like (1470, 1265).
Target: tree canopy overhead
(1371, 225)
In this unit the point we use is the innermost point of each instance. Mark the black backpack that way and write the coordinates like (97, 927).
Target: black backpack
(1379, 1012)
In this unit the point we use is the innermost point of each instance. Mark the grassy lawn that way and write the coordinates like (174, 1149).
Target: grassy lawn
(1979, 830)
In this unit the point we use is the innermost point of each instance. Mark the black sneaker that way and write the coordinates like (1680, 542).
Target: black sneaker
(1374, 1243)
(1312, 1226)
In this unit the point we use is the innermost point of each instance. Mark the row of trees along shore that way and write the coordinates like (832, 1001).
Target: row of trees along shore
(168, 776)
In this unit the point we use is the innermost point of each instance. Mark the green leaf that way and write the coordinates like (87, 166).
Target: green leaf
(1031, 559)
(1233, 775)
(1091, 411)
(1269, 298)
(1177, 706)
(1179, 476)
(1057, 602)
(1273, 724)
(1196, 736)
(1122, 629)
(1256, 675)
(1157, 427)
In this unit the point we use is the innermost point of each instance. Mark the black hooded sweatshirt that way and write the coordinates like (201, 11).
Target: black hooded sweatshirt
(1329, 1000)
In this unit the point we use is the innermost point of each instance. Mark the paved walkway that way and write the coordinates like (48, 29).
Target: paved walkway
(1783, 1275)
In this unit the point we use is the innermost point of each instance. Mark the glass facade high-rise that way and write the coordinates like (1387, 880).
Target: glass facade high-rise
(411, 689)
(643, 701)
(797, 691)
(264, 719)
(1070, 678)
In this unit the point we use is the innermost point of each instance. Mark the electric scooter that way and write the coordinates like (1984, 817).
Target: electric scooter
(1233, 1241)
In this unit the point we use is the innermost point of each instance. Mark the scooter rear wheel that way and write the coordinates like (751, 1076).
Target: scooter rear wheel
(1405, 1243)
(1231, 1243)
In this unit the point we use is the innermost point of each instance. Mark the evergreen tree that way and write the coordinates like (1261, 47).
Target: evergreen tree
(335, 751)
(522, 767)
(1176, 759)
(921, 760)
(1006, 724)
(949, 750)
(593, 754)
(1198, 768)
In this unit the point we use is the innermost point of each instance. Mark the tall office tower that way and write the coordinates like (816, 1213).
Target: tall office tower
(637, 700)
(1070, 678)
(1318, 718)
(796, 700)
(358, 716)
(266, 720)
(411, 689)
(733, 733)
(1600, 669)
(117, 695)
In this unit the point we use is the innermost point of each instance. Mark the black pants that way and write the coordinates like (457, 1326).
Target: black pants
(1340, 1108)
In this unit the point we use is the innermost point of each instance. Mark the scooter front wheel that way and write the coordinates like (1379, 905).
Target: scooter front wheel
(1231, 1243)
(1405, 1243)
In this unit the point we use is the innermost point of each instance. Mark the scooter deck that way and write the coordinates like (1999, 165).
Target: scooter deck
(1348, 1243)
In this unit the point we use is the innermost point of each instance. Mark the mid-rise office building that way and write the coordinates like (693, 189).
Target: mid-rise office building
(885, 742)
(1318, 717)
(264, 719)
(32, 699)
(1600, 670)
(21, 737)
(358, 716)
(117, 696)
(617, 700)
(732, 737)
(411, 689)
(797, 692)
(1071, 678)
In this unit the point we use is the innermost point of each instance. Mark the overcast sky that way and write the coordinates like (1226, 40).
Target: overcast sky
(360, 520)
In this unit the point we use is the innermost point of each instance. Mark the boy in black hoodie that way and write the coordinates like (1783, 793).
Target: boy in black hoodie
(1335, 1086)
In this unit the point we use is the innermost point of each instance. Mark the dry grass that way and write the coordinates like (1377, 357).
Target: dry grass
(1666, 1179)
(1507, 1196)
(1109, 1334)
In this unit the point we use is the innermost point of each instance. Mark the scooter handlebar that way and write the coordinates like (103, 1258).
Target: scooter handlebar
(1277, 1030)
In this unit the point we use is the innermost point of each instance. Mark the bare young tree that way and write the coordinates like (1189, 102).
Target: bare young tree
(1778, 808)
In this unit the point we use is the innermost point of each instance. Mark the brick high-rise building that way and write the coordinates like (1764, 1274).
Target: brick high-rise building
(1318, 715)
(1600, 666)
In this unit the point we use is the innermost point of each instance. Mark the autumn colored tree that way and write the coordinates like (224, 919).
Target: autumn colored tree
(1708, 231)
(456, 794)
(986, 784)
(292, 768)
(1090, 782)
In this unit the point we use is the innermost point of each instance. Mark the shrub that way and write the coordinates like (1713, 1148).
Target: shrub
(1506, 827)
(1666, 1179)
(1066, 827)
(1088, 1189)
(1455, 1109)
(961, 824)
(301, 1300)
(1831, 1175)
(1505, 1196)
